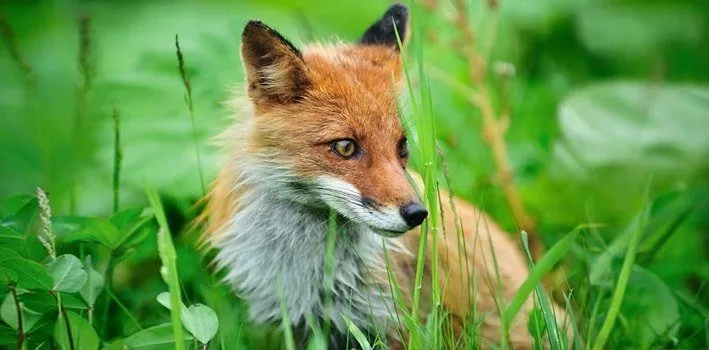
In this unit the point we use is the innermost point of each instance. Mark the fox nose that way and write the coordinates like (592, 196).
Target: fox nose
(413, 214)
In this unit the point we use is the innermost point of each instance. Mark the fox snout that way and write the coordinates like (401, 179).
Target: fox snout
(387, 219)
(413, 214)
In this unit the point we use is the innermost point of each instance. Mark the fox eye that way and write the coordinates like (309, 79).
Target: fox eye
(403, 148)
(345, 148)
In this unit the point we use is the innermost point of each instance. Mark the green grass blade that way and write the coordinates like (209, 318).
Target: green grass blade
(357, 333)
(572, 323)
(285, 319)
(622, 283)
(545, 264)
(168, 256)
(552, 329)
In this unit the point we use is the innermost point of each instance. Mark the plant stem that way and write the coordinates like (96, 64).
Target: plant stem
(62, 311)
(20, 330)
(493, 128)
(117, 156)
(85, 69)
(107, 295)
(190, 106)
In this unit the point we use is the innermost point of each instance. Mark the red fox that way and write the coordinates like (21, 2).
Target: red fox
(321, 132)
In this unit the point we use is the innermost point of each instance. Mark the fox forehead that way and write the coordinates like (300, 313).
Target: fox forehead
(353, 90)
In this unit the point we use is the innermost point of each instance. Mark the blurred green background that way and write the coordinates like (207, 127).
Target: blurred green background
(607, 98)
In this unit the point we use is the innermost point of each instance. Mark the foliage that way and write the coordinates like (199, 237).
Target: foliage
(599, 98)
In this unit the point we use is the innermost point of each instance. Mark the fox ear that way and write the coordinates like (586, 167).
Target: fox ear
(382, 32)
(275, 70)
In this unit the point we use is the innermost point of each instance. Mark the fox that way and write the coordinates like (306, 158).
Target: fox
(318, 137)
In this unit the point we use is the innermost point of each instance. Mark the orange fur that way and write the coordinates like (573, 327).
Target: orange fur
(346, 91)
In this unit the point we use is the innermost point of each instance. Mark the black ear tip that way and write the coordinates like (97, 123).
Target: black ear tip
(254, 25)
(384, 31)
(397, 11)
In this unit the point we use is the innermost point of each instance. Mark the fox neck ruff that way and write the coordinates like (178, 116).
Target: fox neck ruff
(274, 250)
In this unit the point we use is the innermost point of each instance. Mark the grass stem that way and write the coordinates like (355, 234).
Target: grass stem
(188, 88)
(20, 329)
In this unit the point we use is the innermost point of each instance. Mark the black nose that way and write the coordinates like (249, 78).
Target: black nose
(413, 214)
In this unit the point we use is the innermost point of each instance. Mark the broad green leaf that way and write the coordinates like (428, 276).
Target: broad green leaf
(45, 302)
(83, 336)
(8, 337)
(137, 232)
(621, 284)
(8, 312)
(27, 273)
(12, 204)
(621, 132)
(537, 327)
(98, 230)
(11, 239)
(164, 300)
(94, 283)
(68, 274)
(153, 338)
(125, 217)
(25, 218)
(201, 322)
(132, 226)
(198, 319)
(7, 276)
(650, 308)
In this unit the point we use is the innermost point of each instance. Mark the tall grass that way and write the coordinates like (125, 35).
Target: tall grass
(190, 106)
(168, 256)
(622, 283)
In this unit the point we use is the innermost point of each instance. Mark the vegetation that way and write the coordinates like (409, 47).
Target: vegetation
(579, 126)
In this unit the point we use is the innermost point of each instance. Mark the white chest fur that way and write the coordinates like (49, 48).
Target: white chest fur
(274, 251)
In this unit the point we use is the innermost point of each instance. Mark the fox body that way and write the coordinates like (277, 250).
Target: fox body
(321, 134)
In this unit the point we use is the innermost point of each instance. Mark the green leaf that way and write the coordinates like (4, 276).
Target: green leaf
(537, 326)
(82, 334)
(8, 312)
(625, 272)
(8, 337)
(165, 300)
(7, 276)
(154, 338)
(125, 217)
(622, 132)
(68, 274)
(12, 204)
(135, 232)
(25, 218)
(97, 230)
(27, 273)
(45, 302)
(650, 308)
(94, 283)
(11, 239)
(200, 320)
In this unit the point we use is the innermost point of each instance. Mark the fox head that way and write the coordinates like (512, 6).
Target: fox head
(328, 116)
